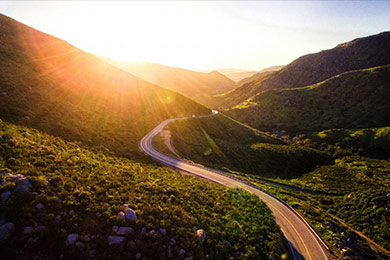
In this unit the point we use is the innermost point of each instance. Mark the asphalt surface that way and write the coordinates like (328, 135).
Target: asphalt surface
(303, 242)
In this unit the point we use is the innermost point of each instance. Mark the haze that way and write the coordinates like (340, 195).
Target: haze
(203, 35)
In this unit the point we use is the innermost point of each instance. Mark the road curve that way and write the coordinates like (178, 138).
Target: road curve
(303, 241)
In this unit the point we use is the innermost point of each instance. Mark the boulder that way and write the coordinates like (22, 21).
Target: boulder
(58, 218)
(115, 229)
(143, 231)
(27, 230)
(32, 240)
(85, 238)
(71, 239)
(112, 240)
(5, 196)
(172, 241)
(130, 214)
(182, 251)
(163, 231)
(125, 205)
(201, 235)
(79, 244)
(22, 188)
(71, 212)
(125, 230)
(121, 215)
(138, 255)
(6, 231)
(39, 229)
(40, 206)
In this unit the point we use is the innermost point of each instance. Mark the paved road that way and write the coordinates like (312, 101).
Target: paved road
(304, 243)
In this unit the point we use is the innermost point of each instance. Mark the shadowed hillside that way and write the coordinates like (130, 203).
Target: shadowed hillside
(196, 85)
(358, 54)
(355, 99)
(50, 85)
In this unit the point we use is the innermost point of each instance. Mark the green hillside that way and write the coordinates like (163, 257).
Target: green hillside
(220, 142)
(75, 190)
(358, 54)
(50, 85)
(198, 86)
(356, 99)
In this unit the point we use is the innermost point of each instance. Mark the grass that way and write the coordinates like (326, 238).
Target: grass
(95, 184)
(329, 184)
(221, 142)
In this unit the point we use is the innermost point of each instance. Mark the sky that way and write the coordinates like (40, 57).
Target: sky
(204, 35)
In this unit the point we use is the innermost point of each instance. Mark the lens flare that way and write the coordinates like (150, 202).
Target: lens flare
(283, 256)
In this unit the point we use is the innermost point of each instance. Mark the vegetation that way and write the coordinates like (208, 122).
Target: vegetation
(199, 86)
(94, 184)
(358, 54)
(334, 187)
(356, 99)
(52, 86)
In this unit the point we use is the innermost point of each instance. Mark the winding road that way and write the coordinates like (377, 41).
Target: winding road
(303, 241)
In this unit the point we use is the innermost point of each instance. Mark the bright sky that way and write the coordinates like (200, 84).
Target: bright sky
(204, 35)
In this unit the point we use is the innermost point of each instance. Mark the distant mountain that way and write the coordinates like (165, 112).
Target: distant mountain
(46, 83)
(199, 86)
(355, 99)
(238, 75)
(358, 54)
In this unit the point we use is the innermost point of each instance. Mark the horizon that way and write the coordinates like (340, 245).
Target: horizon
(203, 36)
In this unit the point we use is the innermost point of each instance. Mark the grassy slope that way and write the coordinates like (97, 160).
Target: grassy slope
(198, 86)
(219, 141)
(299, 165)
(374, 142)
(95, 182)
(358, 54)
(354, 99)
(52, 86)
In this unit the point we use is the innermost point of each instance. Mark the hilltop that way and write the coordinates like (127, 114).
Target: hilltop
(357, 54)
(199, 86)
(52, 86)
(356, 99)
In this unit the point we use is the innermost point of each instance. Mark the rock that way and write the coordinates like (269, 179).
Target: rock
(152, 232)
(143, 231)
(22, 188)
(6, 231)
(188, 258)
(138, 255)
(125, 230)
(40, 206)
(79, 244)
(71, 212)
(228, 244)
(27, 230)
(5, 196)
(115, 229)
(121, 215)
(182, 251)
(130, 214)
(93, 253)
(58, 218)
(71, 239)
(201, 235)
(169, 252)
(32, 240)
(24, 182)
(163, 231)
(85, 238)
(172, 242)
(39, 229)
(125, 205)
(112, 240)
